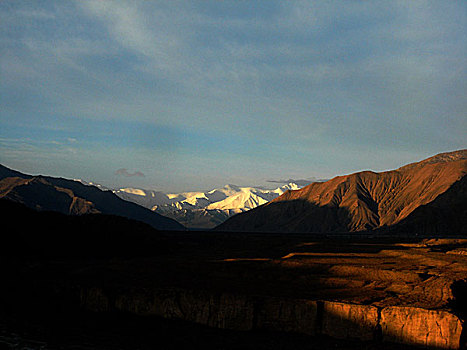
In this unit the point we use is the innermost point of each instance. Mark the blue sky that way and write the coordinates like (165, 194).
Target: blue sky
(197, 94)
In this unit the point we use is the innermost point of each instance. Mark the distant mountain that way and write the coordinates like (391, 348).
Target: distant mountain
(426, 197)
(203, 209)
(72, 197)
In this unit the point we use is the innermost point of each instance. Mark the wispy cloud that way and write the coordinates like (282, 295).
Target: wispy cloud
(300, 182)
(126, 173)
(296, 82)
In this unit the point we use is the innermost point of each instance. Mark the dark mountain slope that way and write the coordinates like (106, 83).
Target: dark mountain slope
(72, 197)
(447, 214)
(360, 201)
(51, 234)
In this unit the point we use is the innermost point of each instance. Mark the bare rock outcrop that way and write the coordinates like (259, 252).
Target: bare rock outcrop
(288, 315)
(95, 299)
(407, 325)
(343, 320)
(415, 326)
(223, 311)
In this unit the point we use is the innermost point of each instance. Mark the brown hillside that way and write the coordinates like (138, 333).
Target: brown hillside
(71, 197)
(39, 194)
(357, 202)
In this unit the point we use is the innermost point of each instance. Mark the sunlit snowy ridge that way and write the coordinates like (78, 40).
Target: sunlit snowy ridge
(201, 209)
(204, 209)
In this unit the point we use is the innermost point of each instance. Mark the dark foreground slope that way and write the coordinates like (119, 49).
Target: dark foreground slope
(428, 196)
(46, 234)
(72, 197)
(114, 283)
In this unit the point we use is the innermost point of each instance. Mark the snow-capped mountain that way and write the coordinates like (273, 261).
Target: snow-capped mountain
(203, 209)
(99, 186)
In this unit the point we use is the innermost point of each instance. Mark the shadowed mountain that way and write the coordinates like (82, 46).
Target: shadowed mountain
(413, 197)
(446, 214)
(53, 234)
(72, 197)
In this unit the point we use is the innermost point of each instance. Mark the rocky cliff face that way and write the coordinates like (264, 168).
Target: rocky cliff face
(429, 328)
(343, 320)
(288, 315)
(363, 201)
(407, 325)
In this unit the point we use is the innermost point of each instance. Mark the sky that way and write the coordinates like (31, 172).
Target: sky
(192, 95)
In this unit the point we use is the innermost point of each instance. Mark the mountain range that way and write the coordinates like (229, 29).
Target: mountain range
(426, 197)
(423, 197)
(65, 196)
(203, 209)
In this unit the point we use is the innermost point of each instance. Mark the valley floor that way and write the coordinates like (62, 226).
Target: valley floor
(240, 290)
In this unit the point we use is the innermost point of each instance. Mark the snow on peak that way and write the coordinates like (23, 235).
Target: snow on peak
(135, 191)
(86, 183)
(226, 198)
(213, 205)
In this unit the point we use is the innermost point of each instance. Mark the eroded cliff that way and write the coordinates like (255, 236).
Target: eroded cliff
(437, 329)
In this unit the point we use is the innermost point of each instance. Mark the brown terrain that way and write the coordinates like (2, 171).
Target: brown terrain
(400, 285)
(368, 289)
(71, 197)
(271, 290)
(371, 201)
